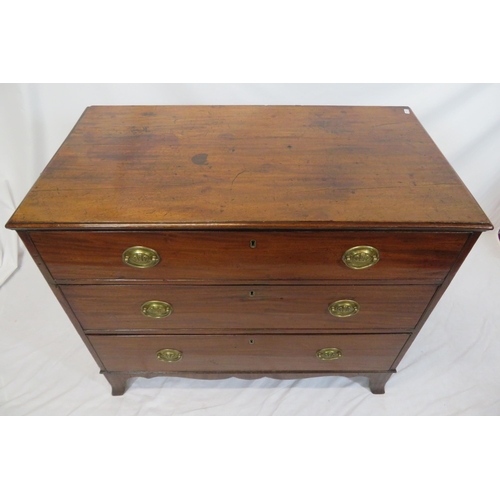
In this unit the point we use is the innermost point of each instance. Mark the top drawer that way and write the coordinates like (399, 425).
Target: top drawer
(248, 255)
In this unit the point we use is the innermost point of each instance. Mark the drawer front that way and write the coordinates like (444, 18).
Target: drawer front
(239, 353)
(123, 307)
(240, 255)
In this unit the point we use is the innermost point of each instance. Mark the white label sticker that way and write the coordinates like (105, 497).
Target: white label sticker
(407, 111)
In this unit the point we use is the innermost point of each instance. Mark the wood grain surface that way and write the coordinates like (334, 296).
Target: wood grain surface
(118, 307)
(248, 166)
(219, 353)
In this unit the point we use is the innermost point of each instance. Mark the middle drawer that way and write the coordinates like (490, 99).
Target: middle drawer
(284, 307)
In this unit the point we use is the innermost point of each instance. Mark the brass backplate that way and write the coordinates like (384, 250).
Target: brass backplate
(140, 257)
(343, 308)
(329, 354)
(156, 309)
(169, 355)
(361, 257)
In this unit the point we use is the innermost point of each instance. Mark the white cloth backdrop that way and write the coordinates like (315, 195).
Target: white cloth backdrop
(453, 368)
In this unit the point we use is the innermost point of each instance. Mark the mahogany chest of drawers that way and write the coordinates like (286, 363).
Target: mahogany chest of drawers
(248, 241)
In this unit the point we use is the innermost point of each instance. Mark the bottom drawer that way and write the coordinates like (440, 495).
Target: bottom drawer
(248, 353)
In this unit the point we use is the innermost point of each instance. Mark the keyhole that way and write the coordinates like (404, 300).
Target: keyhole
(253, 243)
(252, 293)
(250, 341)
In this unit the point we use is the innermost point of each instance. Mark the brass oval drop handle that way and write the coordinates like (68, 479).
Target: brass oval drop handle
(156, 309)
(169, 355)
(361, 257)
(140, 257)
(329, 354)
(343, 308)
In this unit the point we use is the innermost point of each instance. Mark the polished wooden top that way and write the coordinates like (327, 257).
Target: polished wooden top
(216, 167)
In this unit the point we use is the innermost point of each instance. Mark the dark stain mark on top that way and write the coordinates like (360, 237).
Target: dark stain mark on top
(140, 130)
(149, 113)
(289, 147)
(200, 159)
